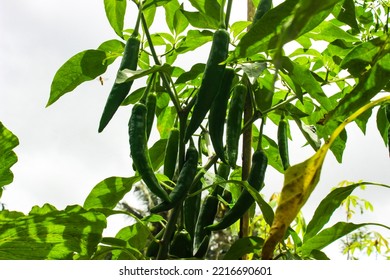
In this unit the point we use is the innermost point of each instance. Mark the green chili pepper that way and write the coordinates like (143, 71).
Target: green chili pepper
(234, 123)
(181, 245)
(151, 102)
(245, 200)
(171, 152)
(217, 114)
(283, 143)
(207, 214)
(263, 7)
(154, 246)
(186, 177)
(139, 151)
(211, 80)
(120, 91)
(191, 208)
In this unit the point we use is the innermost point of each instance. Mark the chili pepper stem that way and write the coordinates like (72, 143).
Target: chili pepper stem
(169, 230)
(166, 82)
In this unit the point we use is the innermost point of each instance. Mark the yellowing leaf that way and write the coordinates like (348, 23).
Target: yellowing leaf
(300, 181)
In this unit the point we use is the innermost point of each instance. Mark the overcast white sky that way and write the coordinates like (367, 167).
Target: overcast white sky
(61, 155)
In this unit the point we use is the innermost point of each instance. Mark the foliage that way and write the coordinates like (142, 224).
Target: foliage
(317, 64)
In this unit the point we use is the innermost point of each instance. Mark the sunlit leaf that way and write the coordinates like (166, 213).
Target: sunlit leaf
(82, 67)
(329, 32)
(194, 40)
(148, 4)
(115, 12)
(8, 141)
(165, 121)
(200, 20)
(170, 9)
(47, 233)
(109, 192)
(211, 8)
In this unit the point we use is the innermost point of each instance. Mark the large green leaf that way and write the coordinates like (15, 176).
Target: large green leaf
(115, 12)
(327, 207)
(47, 233)
(109, 192)
(84, 66)
(329, 235)
(281, 25)
(8, 141)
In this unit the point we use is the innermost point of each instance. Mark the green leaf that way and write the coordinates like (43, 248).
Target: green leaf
(364, 55)
(210, 8)
(154, 3)
(115, 12)
(383, 123)
(238, 27)
(305, 79)
(170, 9)
(180, 22)
(47, 233)
(109, 192)
(345, 12)
(271, 149)
(133, 96)
(329, 32)
(369, 85)
(264, 33)
(165, 121)
(200, 20)
(329, 235)
(194, 40)
(265, 208)
(82, 67)
(281, 25)
(8, 141)
(136, 235)
(327, 207)
(192, 75)
(156, 153)
(243, 246)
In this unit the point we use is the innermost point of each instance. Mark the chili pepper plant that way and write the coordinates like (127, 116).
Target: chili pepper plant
(204, 136)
